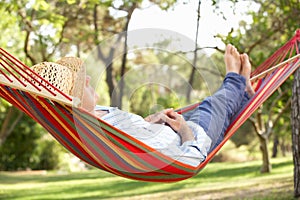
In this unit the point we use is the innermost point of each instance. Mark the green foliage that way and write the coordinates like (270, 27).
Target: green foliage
(17, 150)
(25, 149)
(47, 154)
(164, 4)
(169, 101)
(244, 135)
(272, 25)
(11, 33)
(147, 101)
(141, 101)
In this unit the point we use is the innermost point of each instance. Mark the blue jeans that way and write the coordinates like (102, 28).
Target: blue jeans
(215, 112)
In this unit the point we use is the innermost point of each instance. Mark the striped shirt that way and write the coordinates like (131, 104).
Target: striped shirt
(161, 137)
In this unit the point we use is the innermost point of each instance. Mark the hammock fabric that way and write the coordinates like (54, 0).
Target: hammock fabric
(107, 148)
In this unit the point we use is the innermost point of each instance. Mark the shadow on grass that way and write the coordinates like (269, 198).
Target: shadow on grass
(96, 184)
(90, 190)
(12, 178)
(239, 171)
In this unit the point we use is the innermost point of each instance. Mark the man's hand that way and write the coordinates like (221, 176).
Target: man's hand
(175, 121)
(157, 118)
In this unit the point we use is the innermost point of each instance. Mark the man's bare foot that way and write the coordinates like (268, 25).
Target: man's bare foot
(232, 59)
(245, 71)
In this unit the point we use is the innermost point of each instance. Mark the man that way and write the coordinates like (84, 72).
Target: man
(187, 138)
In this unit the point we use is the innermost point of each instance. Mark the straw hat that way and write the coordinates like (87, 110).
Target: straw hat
(55, 74)
(67, 74)
(78, 70)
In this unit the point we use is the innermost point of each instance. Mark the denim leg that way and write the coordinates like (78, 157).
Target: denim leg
(214, 114)
(221, 137)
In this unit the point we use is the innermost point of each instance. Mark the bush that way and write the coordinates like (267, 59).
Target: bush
(48, 154)
(146, 101)
(18, 148)
(26, 148)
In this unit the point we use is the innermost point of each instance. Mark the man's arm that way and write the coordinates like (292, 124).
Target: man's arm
(175, 121)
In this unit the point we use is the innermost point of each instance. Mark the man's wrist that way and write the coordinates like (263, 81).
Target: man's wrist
(186, 134)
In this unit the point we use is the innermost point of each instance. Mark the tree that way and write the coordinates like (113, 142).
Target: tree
(34, 33)
(114, 74)
(44, 30)
(128, 7)
(295, 132)
(263, 123)
(192, 75)
(28, 38)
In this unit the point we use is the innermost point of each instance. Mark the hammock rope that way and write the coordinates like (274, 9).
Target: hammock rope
(107, 148)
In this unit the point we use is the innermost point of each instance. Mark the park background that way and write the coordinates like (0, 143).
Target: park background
(181, 45)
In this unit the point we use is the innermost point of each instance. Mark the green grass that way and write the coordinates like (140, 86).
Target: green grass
(215, 181)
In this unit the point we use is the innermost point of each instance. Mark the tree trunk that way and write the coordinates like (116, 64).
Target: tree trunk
(263, 135)
(266, 165)
(108, 60)
(296, 132)
(124, 58)
(275, 146)
(111, 83)
(191, 79)
(13, 116)
(284, 148)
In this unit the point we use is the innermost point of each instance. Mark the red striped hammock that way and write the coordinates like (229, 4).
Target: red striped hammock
(107, 148)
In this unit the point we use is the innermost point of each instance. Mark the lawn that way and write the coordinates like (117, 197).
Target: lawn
(215, 181)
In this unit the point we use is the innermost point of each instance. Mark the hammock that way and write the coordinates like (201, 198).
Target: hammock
(107, 148)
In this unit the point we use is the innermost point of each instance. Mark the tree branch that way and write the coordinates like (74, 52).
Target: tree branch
(287, 105)
(28, 29)
(281, 94)
(256, 126)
